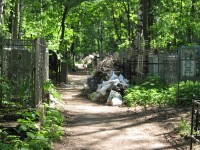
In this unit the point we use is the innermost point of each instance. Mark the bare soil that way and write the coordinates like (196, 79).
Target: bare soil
(93, 126)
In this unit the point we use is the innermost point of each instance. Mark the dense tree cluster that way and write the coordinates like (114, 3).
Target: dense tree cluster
(84, 26)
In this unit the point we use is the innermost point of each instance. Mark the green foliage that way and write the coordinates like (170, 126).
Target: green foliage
(184, 128)
(49, 87)
(112, 24)
(151, 92)
(187, 91)
(5, 88)
(51, 124)
(149, 97)
(154, 81)
(31, 114)
(154, 92)
(53, 116)
(18, 91)
(28, 135)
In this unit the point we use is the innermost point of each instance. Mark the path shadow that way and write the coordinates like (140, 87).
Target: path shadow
(124, 120)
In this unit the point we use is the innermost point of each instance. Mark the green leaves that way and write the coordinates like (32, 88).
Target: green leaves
(169, 21)
(184, 127)
(30, 135)
(151, 93)
(154, 92)
(27, 136)
(49, 87)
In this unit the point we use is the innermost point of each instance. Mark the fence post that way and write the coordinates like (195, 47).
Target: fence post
(46, 63)
(191, 133)
(1, 62)
(39, 71)
(64, 72)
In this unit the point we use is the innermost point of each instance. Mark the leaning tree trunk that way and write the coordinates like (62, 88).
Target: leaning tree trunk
(63, 26)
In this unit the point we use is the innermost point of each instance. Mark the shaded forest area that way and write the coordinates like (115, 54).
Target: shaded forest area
(74, 29)
(81, 27)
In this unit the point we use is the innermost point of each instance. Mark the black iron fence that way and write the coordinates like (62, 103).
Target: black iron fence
(173, 67)
(195, 123)
(182, 65)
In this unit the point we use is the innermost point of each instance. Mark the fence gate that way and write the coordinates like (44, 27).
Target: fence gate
(22, 72)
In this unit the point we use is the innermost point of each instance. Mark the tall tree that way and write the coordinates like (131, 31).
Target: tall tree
(190, 30)
(2, 3)
(21, 10)
(63, 25)
(15, 20)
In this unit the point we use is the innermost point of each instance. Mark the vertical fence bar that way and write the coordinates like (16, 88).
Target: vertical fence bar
(36, 86)
(192, 117)
(1, 63)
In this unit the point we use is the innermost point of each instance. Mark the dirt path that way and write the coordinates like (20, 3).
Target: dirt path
(92, 126)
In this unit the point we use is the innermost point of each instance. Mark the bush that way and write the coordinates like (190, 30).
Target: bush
(28, 136)
(149, 97)
(154, 92)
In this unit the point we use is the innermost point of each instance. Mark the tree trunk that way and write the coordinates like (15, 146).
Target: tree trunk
(10, 24)
(21, 9)
(98, 41)
(115, 25)
(142, 27)
(127, 10)
(190, 32)
(150, 20)
(2, 3)
(139, 28)
(15, 19)
(145, 23)
(63, 25)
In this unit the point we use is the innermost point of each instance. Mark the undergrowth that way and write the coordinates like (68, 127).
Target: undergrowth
(184, 128)
(29, 135)
(35, 130)
(154, 92)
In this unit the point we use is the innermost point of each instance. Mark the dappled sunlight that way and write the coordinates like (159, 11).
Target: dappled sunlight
(91, 125)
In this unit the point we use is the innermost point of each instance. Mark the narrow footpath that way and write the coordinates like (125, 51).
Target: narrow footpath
(92, 126)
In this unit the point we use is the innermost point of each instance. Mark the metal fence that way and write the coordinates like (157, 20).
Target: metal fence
(23, 69)
(195, 123)
(136, 67)
(182, 65)
(173, 67)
